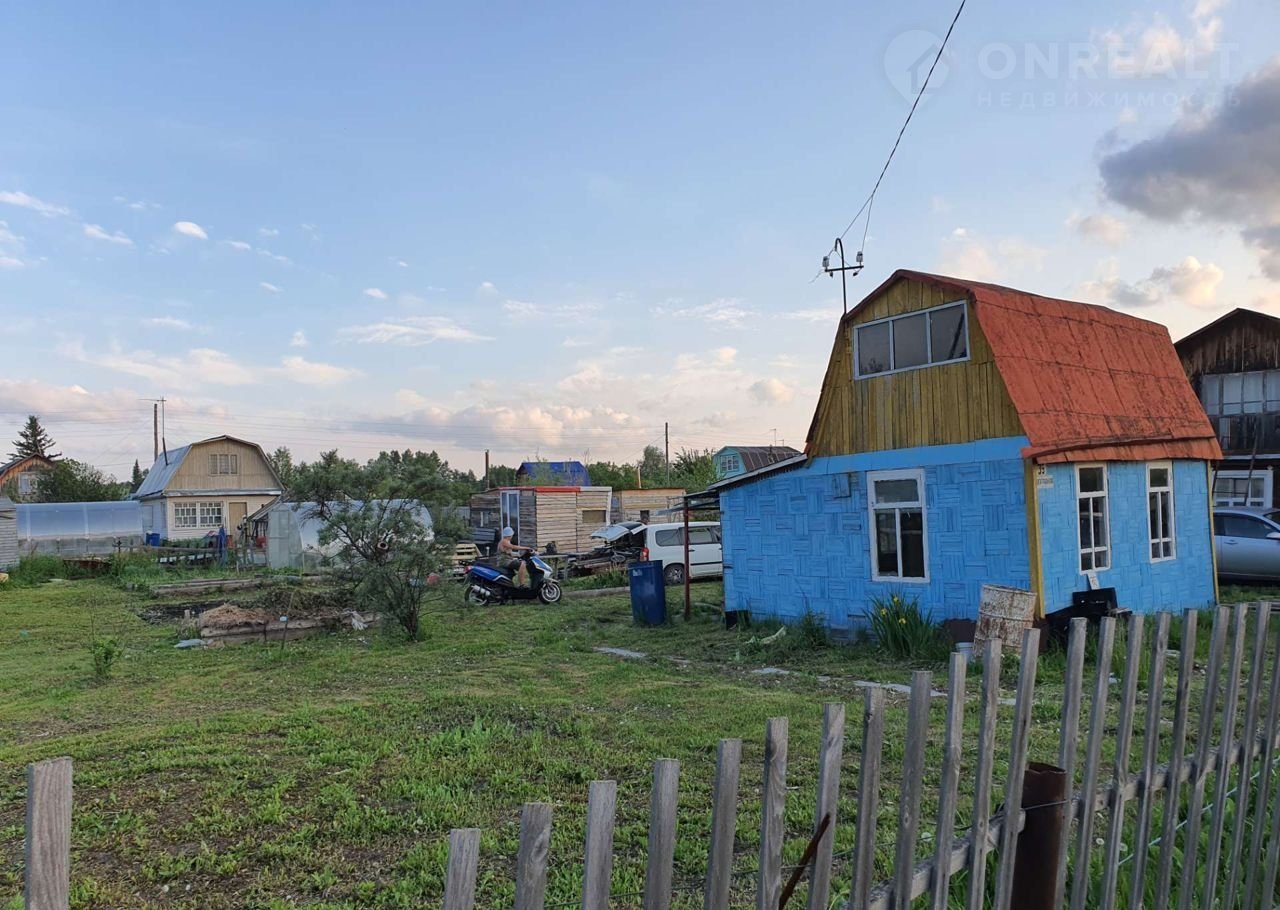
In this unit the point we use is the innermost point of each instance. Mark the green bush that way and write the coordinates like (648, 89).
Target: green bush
(37, 569)
(105, 653)
(903, 631)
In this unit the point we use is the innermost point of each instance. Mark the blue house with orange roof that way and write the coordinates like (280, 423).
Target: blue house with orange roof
(970, 434)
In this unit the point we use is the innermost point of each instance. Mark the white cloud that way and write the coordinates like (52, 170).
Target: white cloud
(401, 263)
(268, 286)
(521, 310)
(577, 341)
(275, 256)
(411, 332)
(197, 367)
(137, 205)
(168, 322)
(728, 312)
(375, 293)
(487, 287)
(307, 372)
(97, 232)
(771, 391)
(939, 205)
(1189, 281)
(966, 255)
(11, 263)
(239, 245)
(190, 229)
(11, 248)
(25, 201)
(1100, 227)
(725, 355)
(1127, 115)
(299, 339)
(813, 314)
(1143, 49)
(268, 232)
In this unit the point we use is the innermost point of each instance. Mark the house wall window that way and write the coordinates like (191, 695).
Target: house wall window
(924, 338)
(27, 482)
(224, 464)
(185, 515)
(1242, 488)
(1160, 510)
(594, 518)
(730, 462)
(1091, 507)
(898, 545)
(210, 514)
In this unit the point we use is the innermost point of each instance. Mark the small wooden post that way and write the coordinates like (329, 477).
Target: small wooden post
(662, 834)
(597, 872)
(912, 784)
(864, 847)
(1034, 880)
(1254, 863)
(772, 815)
(1018, 748)
(531, 860)
(1226, 754)
(1120, 777)
(460, 879)
(953, 750)
(724, 823)
(827, 803)
(1178, 749)
(1150, 753)
(981, 827)
(1092, 763)
(1257, 669)
(1069, 746)
(48, 849)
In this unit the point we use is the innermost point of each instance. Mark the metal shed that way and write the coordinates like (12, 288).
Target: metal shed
(78, 528)
(8, 533)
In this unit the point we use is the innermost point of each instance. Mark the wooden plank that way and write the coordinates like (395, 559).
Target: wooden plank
(597, 871)
(724, 822)
(1092, 763)
(1187, 893)
(1150, 754)
(1020, 741)
(952, 751)
(827, 804)
(1120, 770)
(662, 834)
(864, 847)
(1267, 892)
(772, 814)
(982, 785)
(912, 785)
(460, 878)
(48, 843)
(1254, 863)
(1177, 751)
(1226, 744)
(1257, 669)
(531, 860)
(1069, 741)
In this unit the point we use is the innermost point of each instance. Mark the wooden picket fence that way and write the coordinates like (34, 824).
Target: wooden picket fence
(1200, 828)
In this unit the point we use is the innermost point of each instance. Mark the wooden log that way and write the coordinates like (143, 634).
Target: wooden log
(982, 785)
(827, 804)
(912, 786)
(597, 874)
(1120, 772)
(953, 748)
(772, 815)
(864, 847)
(1018, 748)
(460, 879)
(724, 821)
(1254, 864)
(1092, 764)
(1150, 754)
(48, 843)
(1257, 669)
(531, 860)
(662, 834)
(1178, 746)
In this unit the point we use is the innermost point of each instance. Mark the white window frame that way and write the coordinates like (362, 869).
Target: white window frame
(186, 522)
(917, 475)
(730, 462)
(209, 507)
(1105, 496)
(928, 341)
(1167, 490)
(224, 463)
(1263, 474)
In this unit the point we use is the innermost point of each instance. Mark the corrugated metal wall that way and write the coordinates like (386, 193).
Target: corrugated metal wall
(8, 534)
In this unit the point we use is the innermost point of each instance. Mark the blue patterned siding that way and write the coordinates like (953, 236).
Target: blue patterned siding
(799, 540)
(1141, 585)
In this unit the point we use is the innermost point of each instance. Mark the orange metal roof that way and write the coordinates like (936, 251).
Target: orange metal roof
(1089, 383)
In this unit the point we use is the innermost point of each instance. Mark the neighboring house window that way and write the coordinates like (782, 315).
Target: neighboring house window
(594, 517)
(210, 514)
(1242, 488)
(184, 515)
(898, 550)
(224, 464)
(925, 338)
(27, 482)
(730, 463)
(1091, 503)
(1160, 510)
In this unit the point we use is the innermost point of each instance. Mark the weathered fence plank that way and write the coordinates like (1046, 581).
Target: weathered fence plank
(1199, 779)
(1254, 863)
(464, 859)
(1069, 744)
(531, 860)
(953, 748)
(773, 810)
(1120, 771)
(864, 846)
(1226, 743)
(1178, 749)
(912, 786)
(597, 873)
(1150, 754)
(724, 824)
(1019, 744)
(662, 834)
(982, 783)
(1257, 669)
(1092, 761)
(827, 803)
(48, 846)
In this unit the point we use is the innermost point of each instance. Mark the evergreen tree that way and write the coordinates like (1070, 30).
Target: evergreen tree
(33, 440)
(137, 477)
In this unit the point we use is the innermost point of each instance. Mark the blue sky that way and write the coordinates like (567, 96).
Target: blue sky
(549, 228)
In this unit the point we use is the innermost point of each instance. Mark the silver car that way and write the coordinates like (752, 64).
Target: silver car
(1246, 542)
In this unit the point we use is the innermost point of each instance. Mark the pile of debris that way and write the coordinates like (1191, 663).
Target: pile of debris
(231, 624)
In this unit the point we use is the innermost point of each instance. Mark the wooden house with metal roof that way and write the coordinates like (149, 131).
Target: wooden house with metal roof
(970, 434)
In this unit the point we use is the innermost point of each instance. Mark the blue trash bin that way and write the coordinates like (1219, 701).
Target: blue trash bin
(153, 539)
(648, 593)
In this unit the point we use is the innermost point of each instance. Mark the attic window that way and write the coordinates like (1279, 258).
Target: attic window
(925, 338)
(224, 464)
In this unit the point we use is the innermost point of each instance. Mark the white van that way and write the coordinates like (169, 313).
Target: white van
(665, 543)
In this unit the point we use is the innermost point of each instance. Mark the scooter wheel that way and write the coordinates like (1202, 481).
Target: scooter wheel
(550, 592)
(475, 598)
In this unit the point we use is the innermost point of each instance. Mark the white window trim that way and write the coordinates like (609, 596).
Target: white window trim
(928, 341)
(1263, 474)
(195, 516)
(1173, 513)
(1106, 512)
(917, 475)
(210, 505)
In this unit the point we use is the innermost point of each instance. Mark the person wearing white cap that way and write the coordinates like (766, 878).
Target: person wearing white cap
(508, 548)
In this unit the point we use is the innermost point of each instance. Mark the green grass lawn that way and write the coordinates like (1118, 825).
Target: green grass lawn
(328, 772)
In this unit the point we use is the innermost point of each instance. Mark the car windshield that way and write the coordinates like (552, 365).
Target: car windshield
(1272, 516)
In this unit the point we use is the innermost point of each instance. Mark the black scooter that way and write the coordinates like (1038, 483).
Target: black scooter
(487, 585)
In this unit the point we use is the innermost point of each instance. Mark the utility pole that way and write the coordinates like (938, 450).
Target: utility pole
(666, 436)
(155, 431)
(486, 469)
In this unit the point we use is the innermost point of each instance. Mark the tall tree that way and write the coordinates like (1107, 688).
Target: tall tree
(693, 470)
(282, 460)
(137, 477)
(33, 440)
(74, 481)
(653, 467)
